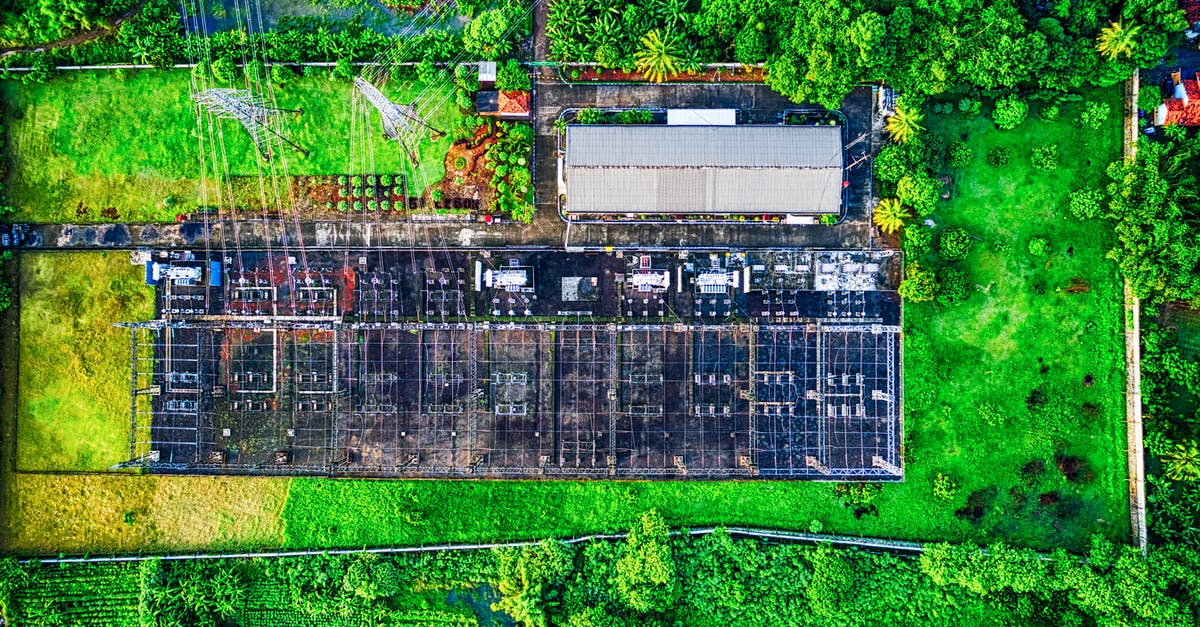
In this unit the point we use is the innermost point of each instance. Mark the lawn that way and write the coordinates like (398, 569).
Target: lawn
(73, 391)
(93, 142)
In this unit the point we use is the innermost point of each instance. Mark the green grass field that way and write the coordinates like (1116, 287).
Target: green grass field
(90, 141)
(73, 405)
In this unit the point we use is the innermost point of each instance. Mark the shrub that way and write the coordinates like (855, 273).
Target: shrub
(1039, 247)
(372, 205)
(858, 494)
(1049, 113)
(255, 70)
(917, 240)
(954, 244)
(590, 115)
(358, 206)
(893, 163)
(510, 76)
(1094, 114)
(224, 70)
(1045, 157)
(309, 71)
(437, 195)
(342, 179)
(385, 180)
(343, 70)
(919, 284)
(1010, 112)
(816, 526)
(959, 155)
(991, 414)
(385, 205)
(999, 156)
(1085, 203)
(969, 107)
(944, 487)
(919, 191)
(954, 287)
(342, 205)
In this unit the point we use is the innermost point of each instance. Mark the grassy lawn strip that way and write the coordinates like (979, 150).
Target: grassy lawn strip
(89, 141)
(73, 392)
(49, 513)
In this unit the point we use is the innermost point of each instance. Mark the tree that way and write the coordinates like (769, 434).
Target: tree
(1182, 461)
(645, 578)
(919, 284)
(1085, 203)
(919, 191)
(903, 125)
(1010, 112)
(954, 287)
(1045, 157)
(890, 215)
(1117, 39)
(917, 240)
(954, 244)
(658, 56)
(530, 581)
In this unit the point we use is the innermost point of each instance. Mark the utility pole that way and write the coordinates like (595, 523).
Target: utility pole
(241, 105)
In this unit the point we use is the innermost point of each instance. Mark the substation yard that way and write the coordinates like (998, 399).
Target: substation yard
(502, 363)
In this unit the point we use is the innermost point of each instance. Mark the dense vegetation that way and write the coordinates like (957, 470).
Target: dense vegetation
(157, 36)
(818, 51)
(650, 578)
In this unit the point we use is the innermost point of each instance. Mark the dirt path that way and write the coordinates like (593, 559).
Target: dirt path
(87, 35)
(1133, 359)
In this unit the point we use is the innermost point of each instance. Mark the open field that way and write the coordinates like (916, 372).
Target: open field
(91, 146)
(73, 411)
(49, 513)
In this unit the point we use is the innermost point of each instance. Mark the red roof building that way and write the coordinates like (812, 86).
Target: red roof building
(1183, 107)
(510, 105)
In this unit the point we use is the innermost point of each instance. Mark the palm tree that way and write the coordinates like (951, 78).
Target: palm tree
(658, 58)
(1116, 39)
(1182, 462)
(903, 125)
(890, 215)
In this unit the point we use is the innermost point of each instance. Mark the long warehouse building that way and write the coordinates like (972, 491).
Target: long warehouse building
(713, 170)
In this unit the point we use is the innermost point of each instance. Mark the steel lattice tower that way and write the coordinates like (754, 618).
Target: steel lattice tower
(255, 116)
(398, 120)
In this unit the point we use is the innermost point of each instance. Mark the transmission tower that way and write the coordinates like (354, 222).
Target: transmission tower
(399, 121)
(248, 109)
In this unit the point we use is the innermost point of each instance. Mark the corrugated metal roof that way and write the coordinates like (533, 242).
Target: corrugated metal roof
(700, 146)
(690, 170)
(704, 190)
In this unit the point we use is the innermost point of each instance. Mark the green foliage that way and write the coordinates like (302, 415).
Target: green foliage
(920, 191)
(493, 35)
(917, 240)
(590, 115)
(343, 70)
(1045, 157)
(893, 162)
(904, 124)
(1010, 112)
(959, 155)
(1085, 203)
(1049, 113)
(999, 156)
(1182, 462)
(945, 487)
(645, 579)
(510, 76)
(282, 74)
(1154, 201)
(919, 284)
(857, 494)
(531, 580)
(954, 244)
(224, 70)
(510, 177)
(954, 287)
(1094, 115)
(970, 107)
(658, 55)
(1039, 247)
